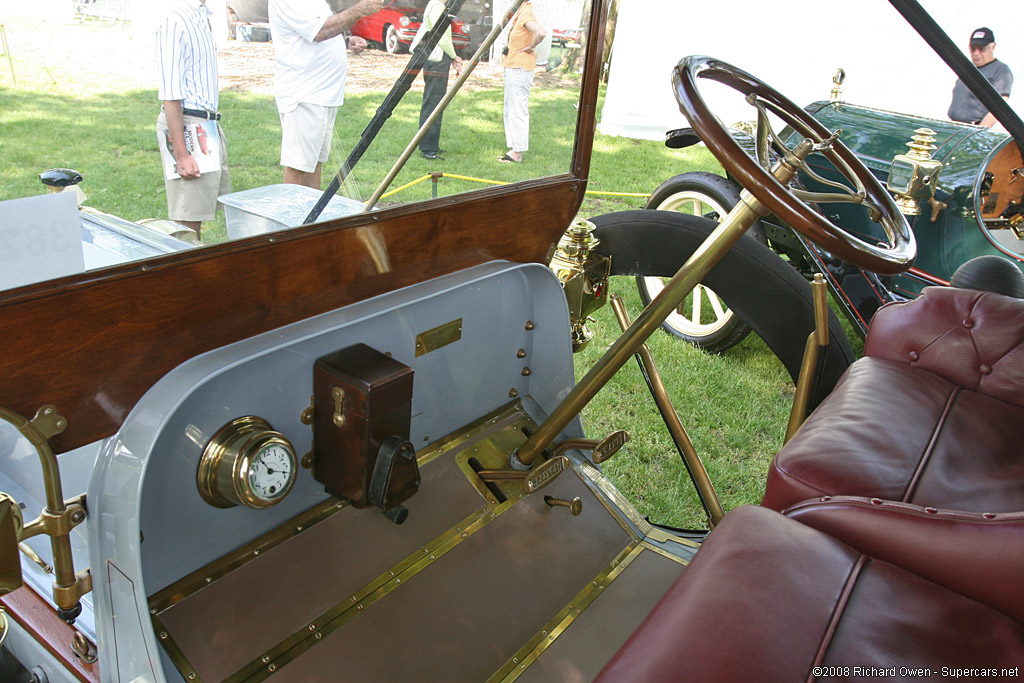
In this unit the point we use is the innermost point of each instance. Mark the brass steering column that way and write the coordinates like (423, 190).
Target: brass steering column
(731, 229)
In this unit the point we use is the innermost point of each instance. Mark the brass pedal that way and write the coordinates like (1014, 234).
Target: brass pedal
(603, 449)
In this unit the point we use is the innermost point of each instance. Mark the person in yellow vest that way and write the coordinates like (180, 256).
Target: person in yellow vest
(519, 62)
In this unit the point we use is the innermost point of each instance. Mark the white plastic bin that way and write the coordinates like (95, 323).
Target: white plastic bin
(278, 207)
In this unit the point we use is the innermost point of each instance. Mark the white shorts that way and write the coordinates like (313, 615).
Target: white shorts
(306, 136)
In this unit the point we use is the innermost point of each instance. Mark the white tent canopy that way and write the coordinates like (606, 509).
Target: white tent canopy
(795, 49)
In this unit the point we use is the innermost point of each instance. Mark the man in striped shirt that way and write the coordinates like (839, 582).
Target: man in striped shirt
(189, 91)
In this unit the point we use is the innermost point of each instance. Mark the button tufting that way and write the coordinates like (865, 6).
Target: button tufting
(913, 356)
(984, 369)
(968, 323)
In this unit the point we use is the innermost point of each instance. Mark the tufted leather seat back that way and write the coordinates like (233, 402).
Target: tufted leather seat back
(973, 339)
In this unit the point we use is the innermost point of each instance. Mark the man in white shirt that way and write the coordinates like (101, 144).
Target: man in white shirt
(189, 92)
(309, 84)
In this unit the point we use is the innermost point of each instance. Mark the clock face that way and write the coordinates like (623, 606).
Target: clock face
(246, 463)
(271, 472)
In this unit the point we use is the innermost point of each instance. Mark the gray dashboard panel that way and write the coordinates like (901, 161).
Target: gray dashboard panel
(148, 524)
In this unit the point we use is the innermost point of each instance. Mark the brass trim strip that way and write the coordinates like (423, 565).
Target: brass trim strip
(623, 511)
(342, 613)
(665, 553)
(183, 588)
(536, 646)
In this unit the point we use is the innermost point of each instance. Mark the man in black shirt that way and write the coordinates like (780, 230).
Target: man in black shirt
(965, 106)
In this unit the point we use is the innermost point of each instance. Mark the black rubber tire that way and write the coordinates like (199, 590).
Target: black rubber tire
(771, 297)
(721, 331)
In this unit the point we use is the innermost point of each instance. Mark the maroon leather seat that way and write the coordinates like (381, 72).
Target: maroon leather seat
(933, 414)
(860, 588)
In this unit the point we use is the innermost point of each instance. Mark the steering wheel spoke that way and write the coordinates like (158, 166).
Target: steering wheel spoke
(792, 204)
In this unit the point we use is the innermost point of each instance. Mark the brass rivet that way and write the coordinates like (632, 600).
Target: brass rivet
(266, 659)
(163, 635)
(272, 668)
(512, 393)
(526, 372)
(529, 325)
(521, 353)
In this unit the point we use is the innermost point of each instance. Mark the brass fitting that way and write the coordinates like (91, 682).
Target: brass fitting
(584, 277)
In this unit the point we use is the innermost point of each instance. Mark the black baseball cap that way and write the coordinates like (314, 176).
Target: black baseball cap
(982, 36)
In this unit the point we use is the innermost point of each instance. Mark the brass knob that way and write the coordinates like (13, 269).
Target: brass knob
(575, 505)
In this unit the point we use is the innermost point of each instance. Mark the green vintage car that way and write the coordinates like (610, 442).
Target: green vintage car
(960, 186)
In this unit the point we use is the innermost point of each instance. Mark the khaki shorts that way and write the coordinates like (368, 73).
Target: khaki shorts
(306, 136)
(196, 199)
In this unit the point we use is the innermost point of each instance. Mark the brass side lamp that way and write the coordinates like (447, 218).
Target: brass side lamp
(913, 176)
(584, 277)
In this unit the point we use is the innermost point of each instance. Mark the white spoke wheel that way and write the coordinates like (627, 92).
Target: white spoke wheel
(391, 42)
(703, 318)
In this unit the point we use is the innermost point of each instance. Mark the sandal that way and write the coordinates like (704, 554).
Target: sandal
(506, 159)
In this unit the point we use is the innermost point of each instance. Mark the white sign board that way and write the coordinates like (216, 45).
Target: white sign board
(40, 239)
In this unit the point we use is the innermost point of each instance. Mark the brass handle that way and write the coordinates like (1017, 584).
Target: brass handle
(339, 397)
(575, 505)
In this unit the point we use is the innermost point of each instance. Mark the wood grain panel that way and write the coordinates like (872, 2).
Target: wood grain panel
(1007, 186)
(93, 344)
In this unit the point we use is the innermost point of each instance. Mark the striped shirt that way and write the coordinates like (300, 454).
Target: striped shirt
(187, 56)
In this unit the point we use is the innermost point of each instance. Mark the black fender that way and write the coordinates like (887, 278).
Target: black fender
(766, 293)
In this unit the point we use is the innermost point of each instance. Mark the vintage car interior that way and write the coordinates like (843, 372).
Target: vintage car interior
(361, 457)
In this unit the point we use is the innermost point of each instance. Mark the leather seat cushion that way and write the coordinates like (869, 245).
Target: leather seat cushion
(768, 598)
(896, 432)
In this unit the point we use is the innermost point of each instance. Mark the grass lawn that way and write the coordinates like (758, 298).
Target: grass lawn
(734, 406)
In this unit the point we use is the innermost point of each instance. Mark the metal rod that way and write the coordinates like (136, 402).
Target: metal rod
(387, 107)
(439, 109)
(816, 340)
(743, 215)
(67, 585)
(698, 474)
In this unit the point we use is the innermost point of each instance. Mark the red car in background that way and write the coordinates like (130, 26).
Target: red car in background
(396, 25)
(564, 36)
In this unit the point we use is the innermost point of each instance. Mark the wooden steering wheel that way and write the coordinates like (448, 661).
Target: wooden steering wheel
(789, 204)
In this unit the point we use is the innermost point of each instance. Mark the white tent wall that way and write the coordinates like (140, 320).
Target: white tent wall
(795, 49)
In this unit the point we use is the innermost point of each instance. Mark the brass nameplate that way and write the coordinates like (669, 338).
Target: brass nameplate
(440, 336)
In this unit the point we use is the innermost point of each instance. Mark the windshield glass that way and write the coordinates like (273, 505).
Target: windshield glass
(99, 114)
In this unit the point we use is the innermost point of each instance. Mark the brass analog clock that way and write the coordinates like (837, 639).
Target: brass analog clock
(246, 463)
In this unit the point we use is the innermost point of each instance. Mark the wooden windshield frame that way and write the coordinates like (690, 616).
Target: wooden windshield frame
(93, 344)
